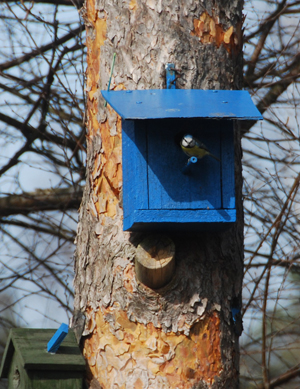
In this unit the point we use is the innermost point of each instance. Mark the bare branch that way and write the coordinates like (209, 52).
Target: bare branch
(41, 200)
(59, 233)
(41, 50)
(32, 133)
(40, 262)
(264, 31)
(283, 378)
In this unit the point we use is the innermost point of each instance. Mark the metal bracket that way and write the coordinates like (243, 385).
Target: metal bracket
(170, 76)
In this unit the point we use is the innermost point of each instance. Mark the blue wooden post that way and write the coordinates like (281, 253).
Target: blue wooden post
(57, 338)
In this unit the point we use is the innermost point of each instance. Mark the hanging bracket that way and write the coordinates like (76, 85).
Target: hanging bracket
(170, 76)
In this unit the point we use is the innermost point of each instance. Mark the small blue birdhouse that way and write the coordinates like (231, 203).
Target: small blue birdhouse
(162, 187)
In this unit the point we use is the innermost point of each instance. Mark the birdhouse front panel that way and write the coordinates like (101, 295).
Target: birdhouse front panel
(155, 185)
(163, 187)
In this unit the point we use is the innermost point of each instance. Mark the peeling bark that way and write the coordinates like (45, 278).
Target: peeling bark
(180, 336)
(138, 353)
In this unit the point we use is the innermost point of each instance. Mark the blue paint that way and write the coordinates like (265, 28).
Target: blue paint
(57, 338)
(180, 220)
(170, 76)
(183, 103)
(234, 312)
(157, 193)
(227, 165)
(189, 164)
(168, 187)
(237, 320)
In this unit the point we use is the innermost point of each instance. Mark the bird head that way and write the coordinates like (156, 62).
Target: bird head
(188, 141)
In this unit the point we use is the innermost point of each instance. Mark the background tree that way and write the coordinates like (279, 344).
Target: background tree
(42, 158)
(271, 170)
(271, 154)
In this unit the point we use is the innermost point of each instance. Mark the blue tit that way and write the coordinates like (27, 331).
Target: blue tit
(192, 147)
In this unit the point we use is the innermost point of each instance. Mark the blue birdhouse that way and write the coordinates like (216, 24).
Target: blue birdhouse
(162, 187)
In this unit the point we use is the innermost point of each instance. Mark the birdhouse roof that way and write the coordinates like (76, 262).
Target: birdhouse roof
(183, 103)
(31, 346)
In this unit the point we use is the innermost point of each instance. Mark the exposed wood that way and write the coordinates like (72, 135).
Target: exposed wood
(138, 353)
(155, 261)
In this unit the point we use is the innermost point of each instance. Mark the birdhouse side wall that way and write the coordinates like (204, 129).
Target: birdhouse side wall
(17, 375)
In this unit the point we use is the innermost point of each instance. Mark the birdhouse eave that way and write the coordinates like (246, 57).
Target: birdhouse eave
(182, 103)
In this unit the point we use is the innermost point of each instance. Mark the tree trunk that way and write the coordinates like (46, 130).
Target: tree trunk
(181, 336)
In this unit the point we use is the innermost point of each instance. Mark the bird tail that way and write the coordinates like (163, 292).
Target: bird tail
(218, 159)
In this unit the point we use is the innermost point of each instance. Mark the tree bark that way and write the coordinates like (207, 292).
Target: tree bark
(181, 336)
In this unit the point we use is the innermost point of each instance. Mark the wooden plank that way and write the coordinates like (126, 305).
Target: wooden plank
(207, 180)
(139, 172)
(186, 216)
(228, 179)
(169, 187)
(190, 220)
(57, 338)
(182, 103)
(17, 375)
(7, 357)
(43, 379)
(134, 169)
(129, 189)
(156, 165)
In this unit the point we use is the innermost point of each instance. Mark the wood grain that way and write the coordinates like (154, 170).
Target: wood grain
(155, 261)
